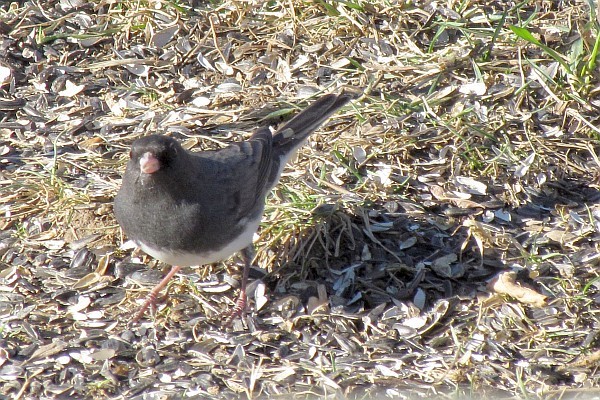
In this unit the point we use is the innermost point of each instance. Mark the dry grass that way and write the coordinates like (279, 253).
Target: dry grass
(438, 237)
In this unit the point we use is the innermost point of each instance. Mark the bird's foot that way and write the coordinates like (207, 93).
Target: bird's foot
(151, 298)
(238, 309)
(150, 302)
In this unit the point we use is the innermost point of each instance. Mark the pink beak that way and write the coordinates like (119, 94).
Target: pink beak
(149, 164)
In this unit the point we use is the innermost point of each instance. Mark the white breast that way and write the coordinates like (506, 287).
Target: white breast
(184, 259)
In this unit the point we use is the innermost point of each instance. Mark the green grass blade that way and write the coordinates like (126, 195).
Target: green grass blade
(526, 35)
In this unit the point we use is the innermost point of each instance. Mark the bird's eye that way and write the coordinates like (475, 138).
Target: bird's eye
(172, 153)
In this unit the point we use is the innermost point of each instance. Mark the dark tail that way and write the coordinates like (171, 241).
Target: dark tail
(292, 135)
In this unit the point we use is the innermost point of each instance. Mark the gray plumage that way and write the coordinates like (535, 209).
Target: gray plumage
(199, 202)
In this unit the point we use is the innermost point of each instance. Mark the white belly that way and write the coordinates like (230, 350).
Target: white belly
(184, 259)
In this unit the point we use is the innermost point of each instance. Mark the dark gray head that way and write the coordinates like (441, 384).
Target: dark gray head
(155, 155)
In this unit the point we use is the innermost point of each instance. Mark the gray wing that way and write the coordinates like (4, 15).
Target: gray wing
(236, 177)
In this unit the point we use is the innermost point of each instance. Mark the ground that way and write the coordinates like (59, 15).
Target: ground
(437, 237)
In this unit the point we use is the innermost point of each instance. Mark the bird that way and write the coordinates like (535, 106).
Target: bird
(189, 208)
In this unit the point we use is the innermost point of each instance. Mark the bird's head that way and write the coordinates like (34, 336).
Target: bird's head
(154, 154)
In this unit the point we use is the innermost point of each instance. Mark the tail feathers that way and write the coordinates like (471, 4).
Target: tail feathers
(292, 135)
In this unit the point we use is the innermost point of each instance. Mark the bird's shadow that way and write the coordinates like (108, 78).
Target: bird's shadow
(354, 260)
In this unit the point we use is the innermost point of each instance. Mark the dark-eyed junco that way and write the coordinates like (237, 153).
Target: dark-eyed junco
(193, 208)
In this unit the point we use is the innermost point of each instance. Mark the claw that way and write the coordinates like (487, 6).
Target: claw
(238, 309)
(151, 298)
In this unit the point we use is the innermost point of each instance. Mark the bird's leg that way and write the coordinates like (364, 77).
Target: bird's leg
(151, 298)
(240, 304)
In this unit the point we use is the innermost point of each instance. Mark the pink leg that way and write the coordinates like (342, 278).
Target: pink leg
(240, 304)
(151, 298)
